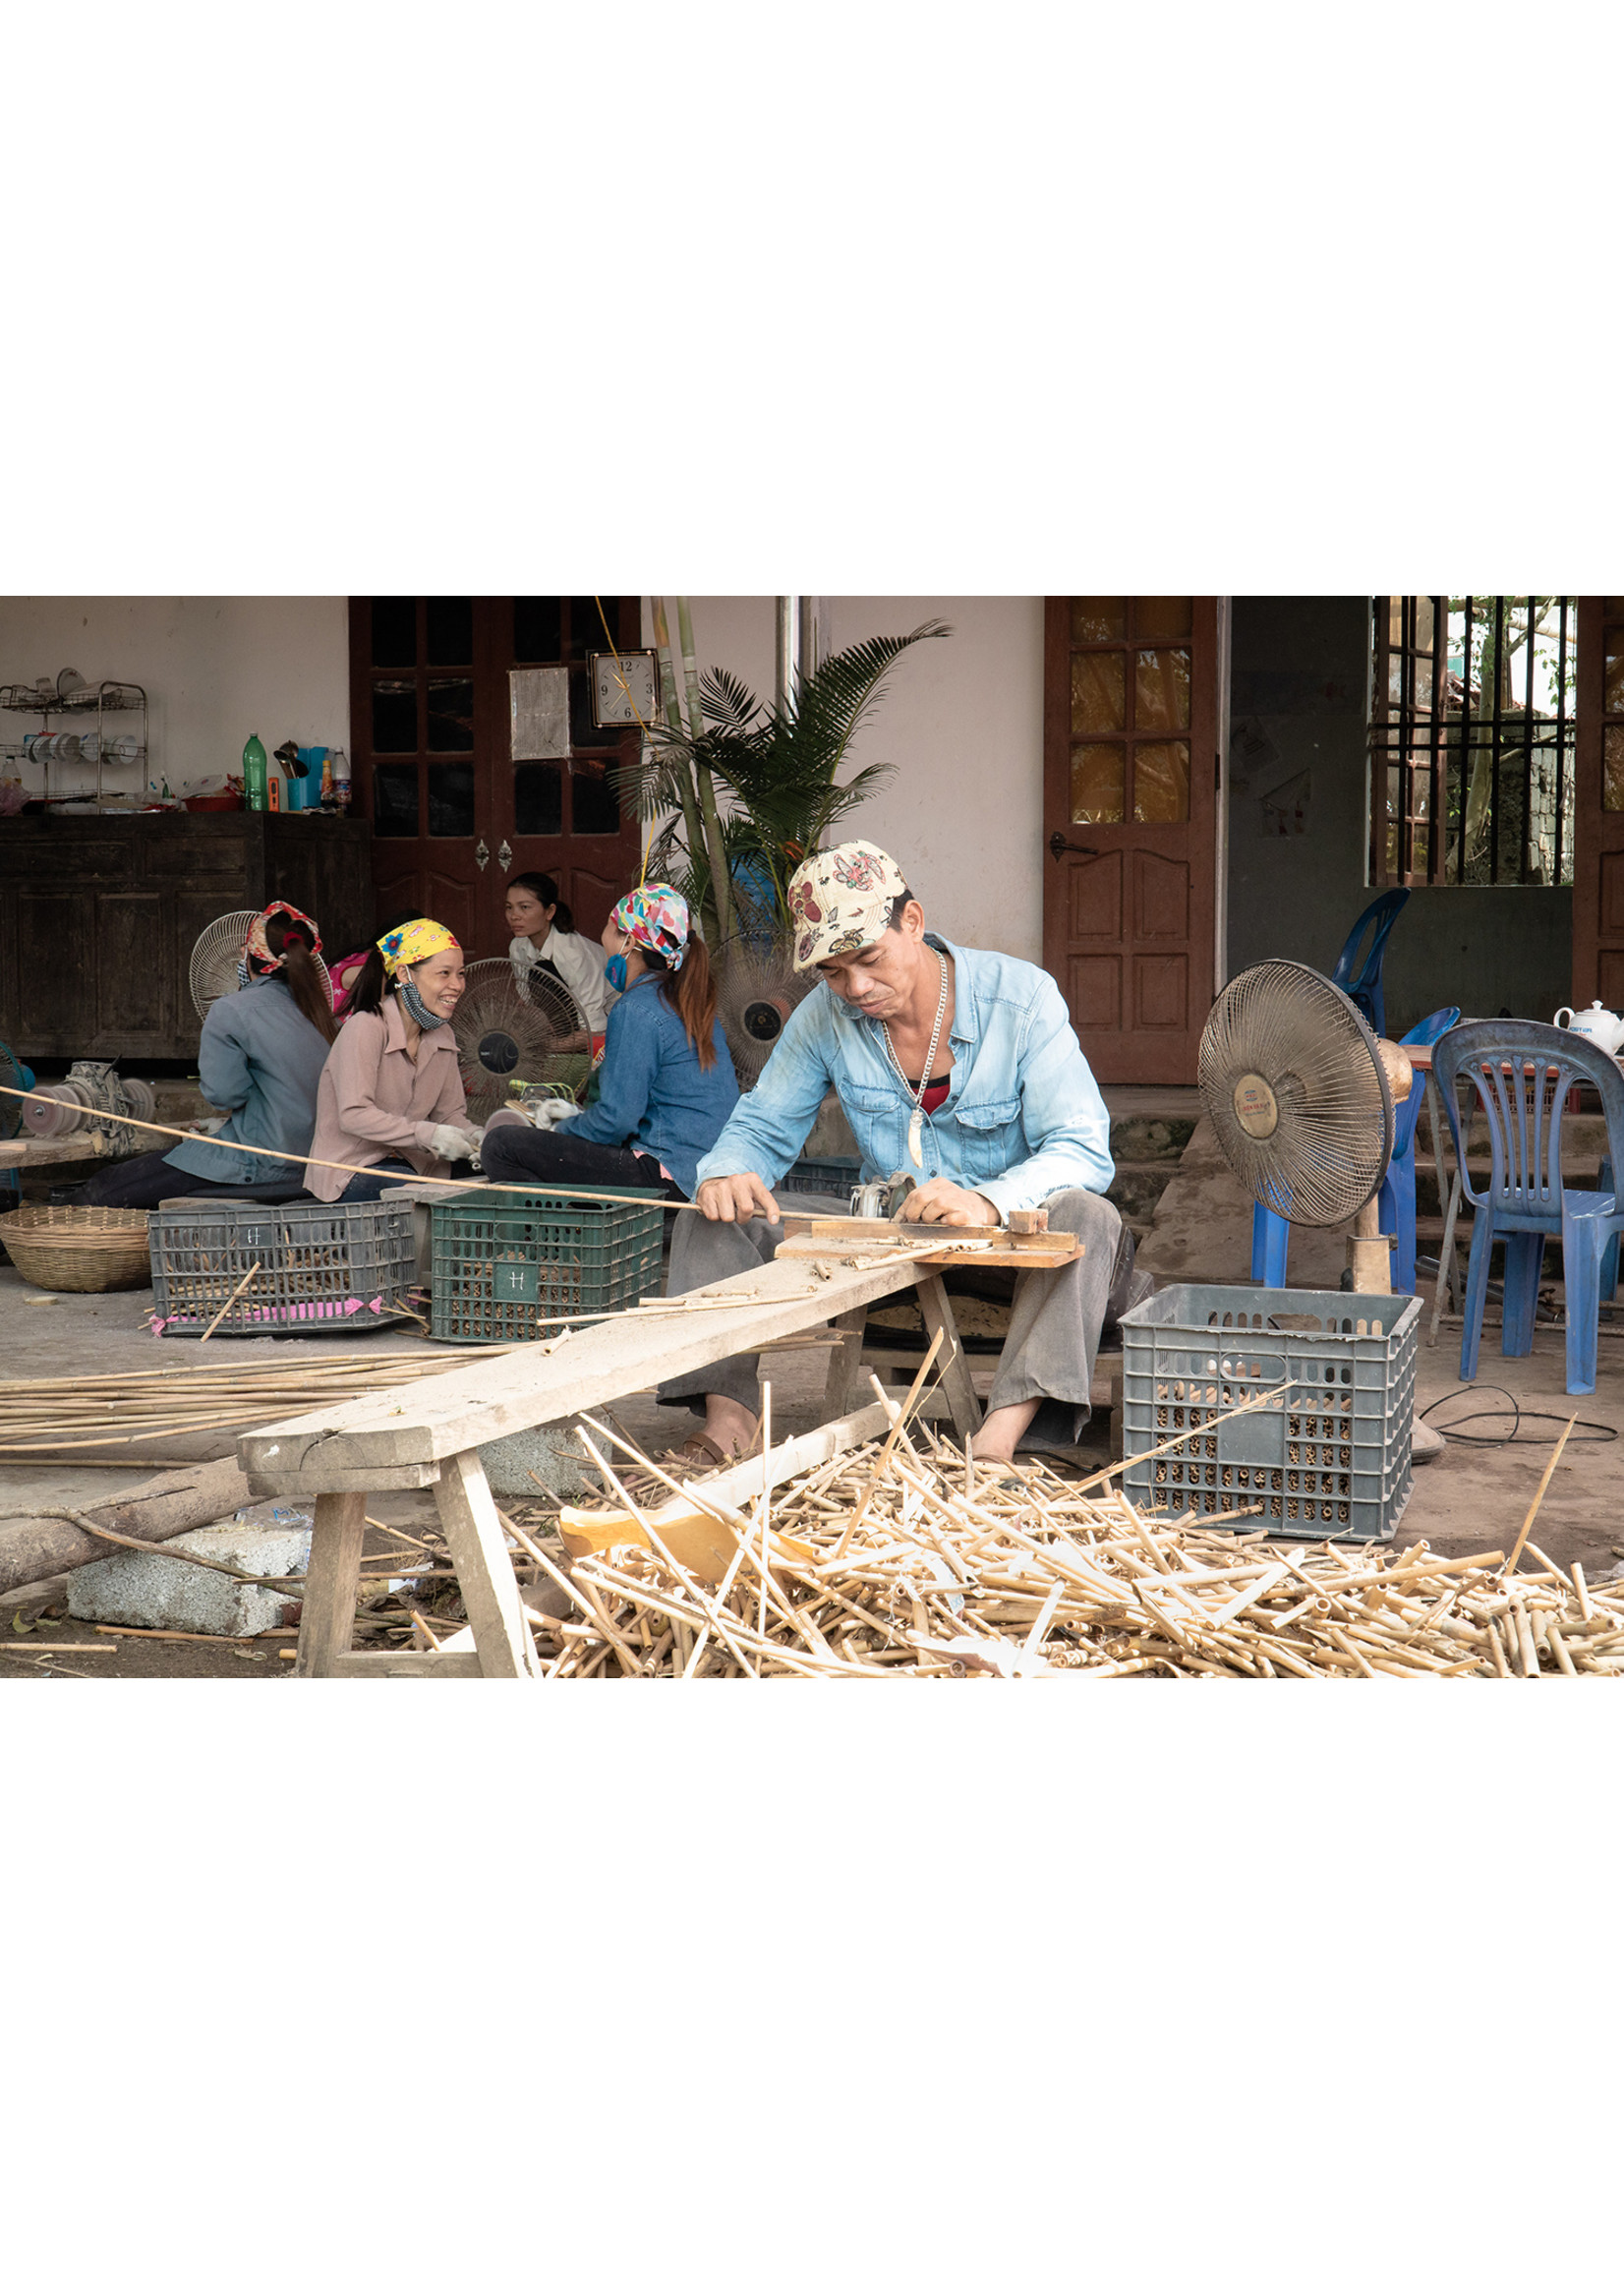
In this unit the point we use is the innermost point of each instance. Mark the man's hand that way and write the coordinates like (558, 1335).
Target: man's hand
(735, 1199)
(940, 1202)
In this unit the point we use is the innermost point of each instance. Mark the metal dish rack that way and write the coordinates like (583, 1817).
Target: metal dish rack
(108, 699)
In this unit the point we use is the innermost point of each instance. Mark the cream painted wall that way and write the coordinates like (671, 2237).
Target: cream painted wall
(215, 672)
(963, 723)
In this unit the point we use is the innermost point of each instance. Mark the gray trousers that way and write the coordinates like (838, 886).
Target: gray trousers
(1055, 1322)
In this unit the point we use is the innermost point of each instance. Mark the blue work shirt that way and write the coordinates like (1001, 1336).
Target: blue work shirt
(651, 1091)
(1023, 1118)
(259, 1061)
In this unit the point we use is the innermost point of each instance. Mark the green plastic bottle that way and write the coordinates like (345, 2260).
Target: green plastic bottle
(255, 769)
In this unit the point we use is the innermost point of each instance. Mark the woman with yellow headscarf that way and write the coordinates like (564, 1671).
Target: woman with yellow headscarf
(390, 1096)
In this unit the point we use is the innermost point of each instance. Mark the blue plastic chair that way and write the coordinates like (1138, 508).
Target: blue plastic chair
(1363, 984)
(1396, 1202)
(1522, 1071)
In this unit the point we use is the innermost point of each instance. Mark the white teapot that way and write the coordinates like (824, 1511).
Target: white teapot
(1596, 1025)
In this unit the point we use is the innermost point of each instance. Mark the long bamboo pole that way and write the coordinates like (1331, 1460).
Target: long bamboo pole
(442, 1184)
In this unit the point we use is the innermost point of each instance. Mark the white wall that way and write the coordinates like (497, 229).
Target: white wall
(962, 721)
(215, 671)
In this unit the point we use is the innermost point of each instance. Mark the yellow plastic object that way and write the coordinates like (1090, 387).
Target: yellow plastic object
(701, 1543)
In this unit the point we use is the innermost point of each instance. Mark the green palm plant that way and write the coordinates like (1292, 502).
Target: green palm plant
(780, 771)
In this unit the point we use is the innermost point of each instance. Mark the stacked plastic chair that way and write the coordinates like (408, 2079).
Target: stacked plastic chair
(1360, 976)
(1522, 1072)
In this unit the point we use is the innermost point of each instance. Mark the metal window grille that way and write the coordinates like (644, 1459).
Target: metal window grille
(1471, 740)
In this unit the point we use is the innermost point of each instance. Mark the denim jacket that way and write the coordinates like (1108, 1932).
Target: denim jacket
(651, 1091)
(1024, 1116)
(260, 1060)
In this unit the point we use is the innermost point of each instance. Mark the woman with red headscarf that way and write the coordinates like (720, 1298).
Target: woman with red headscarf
(260, 1060)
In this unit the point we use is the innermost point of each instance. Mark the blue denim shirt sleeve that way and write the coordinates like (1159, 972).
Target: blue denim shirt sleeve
(1063, 1116)
(771, 1122)
(631, 1053)
(223, 1074)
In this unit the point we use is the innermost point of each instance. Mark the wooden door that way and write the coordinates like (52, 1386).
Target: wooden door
(450, 816)
(1598, 806)
(1129, 772)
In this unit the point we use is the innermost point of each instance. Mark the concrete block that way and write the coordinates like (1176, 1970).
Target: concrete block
(555, 1456)
(134, 1590)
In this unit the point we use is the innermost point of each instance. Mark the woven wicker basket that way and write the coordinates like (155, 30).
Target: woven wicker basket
(86, 1249)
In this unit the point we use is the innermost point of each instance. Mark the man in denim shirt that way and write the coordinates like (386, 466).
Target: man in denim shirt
(959, 1065)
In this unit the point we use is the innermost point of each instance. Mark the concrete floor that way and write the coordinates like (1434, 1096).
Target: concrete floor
(1474, 1499)
(1474, 1496)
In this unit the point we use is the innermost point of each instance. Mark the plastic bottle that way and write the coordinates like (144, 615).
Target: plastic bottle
(328, 799)
(341, 782)
(255, 769)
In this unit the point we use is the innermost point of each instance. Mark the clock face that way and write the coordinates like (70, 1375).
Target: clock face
(623, 706)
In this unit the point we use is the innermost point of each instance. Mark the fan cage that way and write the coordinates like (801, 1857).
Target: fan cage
(1325, 1150)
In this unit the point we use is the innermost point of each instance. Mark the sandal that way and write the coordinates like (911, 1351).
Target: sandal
(702, 1452)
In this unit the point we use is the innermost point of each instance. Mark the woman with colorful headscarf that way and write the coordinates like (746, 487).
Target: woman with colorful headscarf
(260, 1060)
(667, 1084)
(391, 1097)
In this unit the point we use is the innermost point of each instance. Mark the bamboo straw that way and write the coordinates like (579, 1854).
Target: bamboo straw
(1533, 1505)
(252, 1272)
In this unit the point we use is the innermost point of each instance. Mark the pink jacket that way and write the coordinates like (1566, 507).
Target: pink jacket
(373, 1102)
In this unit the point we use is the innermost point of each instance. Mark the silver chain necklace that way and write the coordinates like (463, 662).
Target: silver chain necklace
(916, 1097)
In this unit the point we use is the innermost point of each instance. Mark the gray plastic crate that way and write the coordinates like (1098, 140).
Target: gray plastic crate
(835, 1175)
(323, 1268)
(1331, 1462)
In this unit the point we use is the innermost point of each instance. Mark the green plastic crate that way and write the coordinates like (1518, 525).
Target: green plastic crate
(504, 1261)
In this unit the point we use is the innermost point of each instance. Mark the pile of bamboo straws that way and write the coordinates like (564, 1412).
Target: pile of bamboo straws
(891, 1563)
(88, 1413)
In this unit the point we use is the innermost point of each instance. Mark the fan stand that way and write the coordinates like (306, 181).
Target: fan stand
(1369, 1259)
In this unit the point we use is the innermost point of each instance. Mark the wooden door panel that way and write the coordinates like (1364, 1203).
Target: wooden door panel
(132, 970)
(1612, 893)
(1160, 993)
(1161, 898)
(1093, 993)
(1131, 736)
(56, 947)
(1096, 888)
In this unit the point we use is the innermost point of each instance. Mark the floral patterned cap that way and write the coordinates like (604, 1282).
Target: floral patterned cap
(413, 943)
(843, 899)
(656, 917)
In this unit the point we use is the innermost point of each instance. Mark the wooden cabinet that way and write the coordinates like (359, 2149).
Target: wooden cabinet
(98, 913)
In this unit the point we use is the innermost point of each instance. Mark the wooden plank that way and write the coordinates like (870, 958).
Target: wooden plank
(951, 1363)
(484, 1570)
(547, 1382)
(833, 1235)
(328, 1620)
(272, 1484)
(442, 1664)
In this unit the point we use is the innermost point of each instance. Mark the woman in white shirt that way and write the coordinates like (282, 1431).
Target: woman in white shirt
(544, 932)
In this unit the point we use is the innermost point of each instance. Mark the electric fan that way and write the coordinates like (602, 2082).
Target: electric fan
(757, 988)
(506, 1035)
(216, 955)
(1300, 1093)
